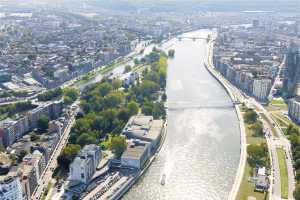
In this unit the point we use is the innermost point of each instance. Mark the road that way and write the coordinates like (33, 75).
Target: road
(277, 78)
(52, 164)
(273, 142)
(281, 141)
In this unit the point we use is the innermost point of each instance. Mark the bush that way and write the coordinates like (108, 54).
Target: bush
(250, 116)
(257, 129)
(297, 192)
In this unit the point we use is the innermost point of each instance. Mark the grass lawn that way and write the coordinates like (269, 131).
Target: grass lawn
(283, 173)
(44, 195)
(247, 188)
(279, 102)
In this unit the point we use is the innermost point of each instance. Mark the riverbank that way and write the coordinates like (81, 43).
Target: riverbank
(130, 182)
(243, 154)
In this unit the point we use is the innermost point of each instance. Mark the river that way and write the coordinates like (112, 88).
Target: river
(200, 155)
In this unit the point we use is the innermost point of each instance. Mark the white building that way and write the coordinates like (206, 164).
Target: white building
(261, 88)
(10, 188)
(294, 109)
(84, 165)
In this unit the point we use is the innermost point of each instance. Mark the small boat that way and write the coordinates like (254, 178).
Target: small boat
(163, 179)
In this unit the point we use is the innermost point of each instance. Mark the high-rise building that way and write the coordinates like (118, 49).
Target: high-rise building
(292, 75)
(10, 188)
(261, 88)
(294, 109)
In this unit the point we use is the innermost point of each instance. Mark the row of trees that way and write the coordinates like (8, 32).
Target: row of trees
(293, 135)
(255, 125)
(69, 95)
(258, 155)
(50, 94)
(12, 109)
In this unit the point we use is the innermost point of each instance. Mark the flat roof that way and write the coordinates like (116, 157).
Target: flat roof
(144, 127)
(134, 152)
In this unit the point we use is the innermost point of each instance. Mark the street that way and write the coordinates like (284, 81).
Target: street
(52, 164)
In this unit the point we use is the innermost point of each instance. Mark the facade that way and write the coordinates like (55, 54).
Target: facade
(294, 109)
(29, 179)
(261, 89)
(136, 154)
(292, 75)
(10, 188)
(12, 130)
(84, 165)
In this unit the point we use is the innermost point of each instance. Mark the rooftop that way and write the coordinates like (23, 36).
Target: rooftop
(144, 127)
(135, 151)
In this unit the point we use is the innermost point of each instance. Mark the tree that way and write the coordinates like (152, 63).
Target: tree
(67, 155)
(297, 177)
(118, 145)
(50, 94)
(257, 129)
(148, 87)
(133, 108)
(297, 192)
(22, 154)
(70, 95)
(250, 116)
(123, 114)
(43, 123)
(297, 164)
(136, 61)
(104, 89)
(171, 53)
(67, 100)
(113, 99)
(292, 130)
(86, 138)
(127, 69)
(116, 84)
(257, 155)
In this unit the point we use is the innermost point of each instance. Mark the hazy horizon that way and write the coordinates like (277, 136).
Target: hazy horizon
(161, 6)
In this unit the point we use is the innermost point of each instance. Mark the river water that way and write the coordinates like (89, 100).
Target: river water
(200, 155)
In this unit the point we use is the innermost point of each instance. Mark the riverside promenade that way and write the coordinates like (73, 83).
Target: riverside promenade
(236, 97)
